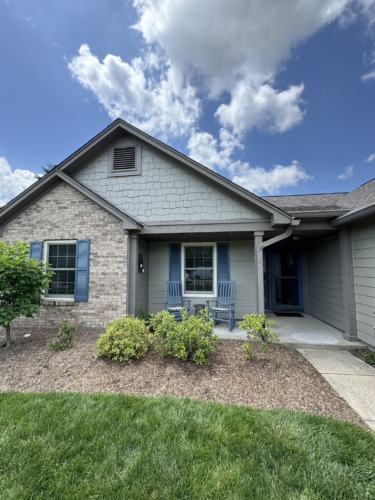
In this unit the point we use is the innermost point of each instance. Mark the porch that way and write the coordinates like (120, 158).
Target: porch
(304, 332)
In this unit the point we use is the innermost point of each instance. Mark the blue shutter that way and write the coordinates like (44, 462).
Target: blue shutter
(175, 262)
(81, 288)
(36, 250)
(222, 261)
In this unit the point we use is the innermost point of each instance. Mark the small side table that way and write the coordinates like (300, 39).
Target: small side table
(199, 308)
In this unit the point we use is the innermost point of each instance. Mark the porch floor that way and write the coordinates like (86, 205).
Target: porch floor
(305, 332)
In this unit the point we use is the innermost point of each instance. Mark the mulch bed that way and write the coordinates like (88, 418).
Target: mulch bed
(281, 378)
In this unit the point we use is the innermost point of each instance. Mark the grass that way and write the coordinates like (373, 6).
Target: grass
(112, 446)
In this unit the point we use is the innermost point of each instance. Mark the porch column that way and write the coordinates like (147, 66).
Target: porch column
(132, 273)
(259, 279)
(350, 321)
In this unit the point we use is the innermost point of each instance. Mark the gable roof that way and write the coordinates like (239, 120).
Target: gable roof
(39, 188)
(116, 130)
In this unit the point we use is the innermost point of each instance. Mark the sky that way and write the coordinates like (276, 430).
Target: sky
(278, 96)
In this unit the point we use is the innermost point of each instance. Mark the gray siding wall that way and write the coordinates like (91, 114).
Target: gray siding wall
(164, 192)
(65, 214)
(324, 281)
(241, 254)
(142, 278)
(363, 242)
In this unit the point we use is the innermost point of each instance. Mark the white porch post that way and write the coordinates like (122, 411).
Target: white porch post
(259, 279)
(350, 321)
(132, 273)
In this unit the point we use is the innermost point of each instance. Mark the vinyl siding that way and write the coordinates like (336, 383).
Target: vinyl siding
(241, 267)
(363, 243)
(324, 281)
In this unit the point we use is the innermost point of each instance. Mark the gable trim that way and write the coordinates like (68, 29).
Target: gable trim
(115, 130)
(49, 181)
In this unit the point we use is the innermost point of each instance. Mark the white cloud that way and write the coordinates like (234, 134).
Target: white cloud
(260, 181)
(132, 91)
(12, 182)
(368, 76)
(216, 154)
(371, 158)
(227, 52)
(262, 108)
(348, 172)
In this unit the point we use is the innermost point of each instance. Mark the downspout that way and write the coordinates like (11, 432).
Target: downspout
(272, 241)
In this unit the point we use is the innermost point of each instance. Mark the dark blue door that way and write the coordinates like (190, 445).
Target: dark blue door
(286, 279)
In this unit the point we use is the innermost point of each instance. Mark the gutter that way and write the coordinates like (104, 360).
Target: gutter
(259, 257)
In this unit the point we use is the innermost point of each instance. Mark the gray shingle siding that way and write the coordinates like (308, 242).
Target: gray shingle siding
(164, 192)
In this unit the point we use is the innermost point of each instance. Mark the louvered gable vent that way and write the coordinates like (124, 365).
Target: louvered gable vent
(124, 159)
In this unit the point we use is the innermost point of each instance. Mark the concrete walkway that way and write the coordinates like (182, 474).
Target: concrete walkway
(353, 379)
(326, 349)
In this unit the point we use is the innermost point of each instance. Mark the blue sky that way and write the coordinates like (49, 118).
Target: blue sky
(277, 96)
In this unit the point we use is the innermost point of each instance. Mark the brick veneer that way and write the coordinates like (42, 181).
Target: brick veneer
(64, 213)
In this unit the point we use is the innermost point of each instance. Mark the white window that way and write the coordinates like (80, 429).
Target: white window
(61, 255)
(199, 269)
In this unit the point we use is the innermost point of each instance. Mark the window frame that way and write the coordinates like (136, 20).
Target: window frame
(125, 143)
(46, 244)
(214, 265)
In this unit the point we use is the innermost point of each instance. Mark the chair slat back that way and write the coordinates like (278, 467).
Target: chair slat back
(173, 292)
(226, 292)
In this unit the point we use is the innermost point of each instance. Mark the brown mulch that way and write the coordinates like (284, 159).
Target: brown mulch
(281, 378)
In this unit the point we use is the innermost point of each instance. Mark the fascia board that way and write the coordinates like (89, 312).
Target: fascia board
(345, 219)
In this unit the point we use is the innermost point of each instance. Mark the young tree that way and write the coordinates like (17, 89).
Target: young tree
(22, 281)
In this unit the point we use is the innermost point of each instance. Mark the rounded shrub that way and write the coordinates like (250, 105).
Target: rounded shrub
(192, 338)
(124, 339)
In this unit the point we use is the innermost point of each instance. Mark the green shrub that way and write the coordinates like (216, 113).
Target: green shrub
(124, 339)
(259, 333)
(370, 357)
(192, 338)
(64, 337)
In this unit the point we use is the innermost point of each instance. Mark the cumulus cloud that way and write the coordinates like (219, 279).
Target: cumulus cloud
(13, 182)
(370, 158)
(348, 172)
(263, 108)
(217, 155)
(131, 91)
(227, 52)
(260, 181)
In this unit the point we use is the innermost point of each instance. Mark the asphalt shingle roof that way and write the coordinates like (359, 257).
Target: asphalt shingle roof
(358, 199)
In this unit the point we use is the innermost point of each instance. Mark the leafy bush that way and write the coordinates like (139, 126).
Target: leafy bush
(192, 338)
(124, 339)
(64, 337)
(22, 282)
(370, 357)
(259, 333)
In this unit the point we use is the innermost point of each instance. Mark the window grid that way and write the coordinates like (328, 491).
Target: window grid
(199, 269)
(62, 258)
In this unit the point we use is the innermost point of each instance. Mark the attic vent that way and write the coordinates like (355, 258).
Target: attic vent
(124, 159)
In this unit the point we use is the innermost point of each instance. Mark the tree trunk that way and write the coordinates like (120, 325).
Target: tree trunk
(7, 329)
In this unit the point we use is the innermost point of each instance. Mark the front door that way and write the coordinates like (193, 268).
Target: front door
(286, 279)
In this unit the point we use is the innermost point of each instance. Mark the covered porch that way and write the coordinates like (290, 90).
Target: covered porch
(304, 331)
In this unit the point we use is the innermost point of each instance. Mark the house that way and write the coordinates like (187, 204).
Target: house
(125, 212)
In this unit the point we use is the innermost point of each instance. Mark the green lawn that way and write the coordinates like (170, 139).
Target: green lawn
(112, 446)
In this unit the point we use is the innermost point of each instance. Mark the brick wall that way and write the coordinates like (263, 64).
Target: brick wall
(64, 213)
